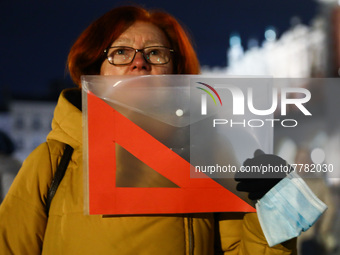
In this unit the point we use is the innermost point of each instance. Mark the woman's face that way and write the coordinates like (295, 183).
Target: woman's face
(138, 36)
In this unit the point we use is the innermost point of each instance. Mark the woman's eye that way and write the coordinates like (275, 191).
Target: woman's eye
(120, 52)
(154, 52)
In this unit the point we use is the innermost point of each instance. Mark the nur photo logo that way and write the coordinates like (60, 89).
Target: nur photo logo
(243, 102)
(204, 97)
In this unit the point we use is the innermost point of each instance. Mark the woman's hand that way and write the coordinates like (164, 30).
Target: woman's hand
(260, 173)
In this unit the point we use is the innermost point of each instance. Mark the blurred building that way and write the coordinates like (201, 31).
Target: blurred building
(27, 119)
(9, 166)
(302, 51)
(29, 124)
(336, 39)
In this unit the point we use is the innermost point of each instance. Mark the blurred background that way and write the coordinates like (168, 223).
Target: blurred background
(279, 38)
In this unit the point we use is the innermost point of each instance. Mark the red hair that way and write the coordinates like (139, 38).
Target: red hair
(87, 54)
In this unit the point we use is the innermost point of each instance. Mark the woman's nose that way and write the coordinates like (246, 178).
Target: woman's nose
(139, 63)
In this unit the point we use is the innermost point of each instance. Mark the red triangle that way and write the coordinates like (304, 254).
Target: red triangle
(107, 127)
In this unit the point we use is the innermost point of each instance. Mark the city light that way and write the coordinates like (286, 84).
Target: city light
(270, 34)
(318, 156)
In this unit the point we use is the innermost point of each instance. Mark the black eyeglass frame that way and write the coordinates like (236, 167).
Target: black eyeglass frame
(106, 51)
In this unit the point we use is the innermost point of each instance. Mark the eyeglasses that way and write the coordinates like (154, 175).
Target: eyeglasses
(123, 55)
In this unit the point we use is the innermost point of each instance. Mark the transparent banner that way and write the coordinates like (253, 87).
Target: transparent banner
(166, 131)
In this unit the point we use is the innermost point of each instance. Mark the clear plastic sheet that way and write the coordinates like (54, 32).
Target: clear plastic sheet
(205, 121)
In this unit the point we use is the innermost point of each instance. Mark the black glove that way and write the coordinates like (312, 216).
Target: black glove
(259, 174)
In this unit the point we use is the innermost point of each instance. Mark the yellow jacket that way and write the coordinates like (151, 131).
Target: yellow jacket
(25, 228)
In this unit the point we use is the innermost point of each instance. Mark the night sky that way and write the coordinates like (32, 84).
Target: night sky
(36, 35)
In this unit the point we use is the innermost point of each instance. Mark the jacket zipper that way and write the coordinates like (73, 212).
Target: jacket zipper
(189, 234)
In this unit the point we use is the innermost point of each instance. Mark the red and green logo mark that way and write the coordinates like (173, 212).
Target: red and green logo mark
(209, 93)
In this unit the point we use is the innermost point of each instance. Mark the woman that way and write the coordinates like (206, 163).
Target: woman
(123, 41)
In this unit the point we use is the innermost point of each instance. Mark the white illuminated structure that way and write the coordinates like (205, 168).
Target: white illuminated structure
(300, 52)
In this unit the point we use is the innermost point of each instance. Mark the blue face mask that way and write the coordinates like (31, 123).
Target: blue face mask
(287, 209)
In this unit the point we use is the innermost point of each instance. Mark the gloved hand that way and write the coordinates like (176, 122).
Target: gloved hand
(267, 171)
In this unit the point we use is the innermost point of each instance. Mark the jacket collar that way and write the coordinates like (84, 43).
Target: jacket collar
(67, 120)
